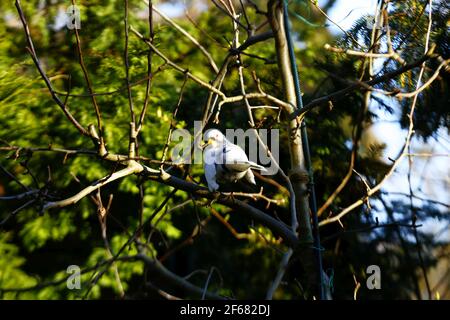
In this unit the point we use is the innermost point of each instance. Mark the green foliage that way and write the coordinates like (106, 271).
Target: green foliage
(10, 267)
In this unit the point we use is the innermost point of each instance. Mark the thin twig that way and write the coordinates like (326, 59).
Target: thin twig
(175, 66)
(188, 36)
(150, 73)
(337, 95)
(133, 133)
(280, 273)
(32, 52)
(13, 178)
(89, 86)
(172, 122)
(102, 214)
(205, 288)
(404, 152)
(411, 130)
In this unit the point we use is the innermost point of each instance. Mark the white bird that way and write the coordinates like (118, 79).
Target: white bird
(224, 161)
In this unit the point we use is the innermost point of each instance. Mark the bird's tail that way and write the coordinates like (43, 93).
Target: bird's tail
(257, 167)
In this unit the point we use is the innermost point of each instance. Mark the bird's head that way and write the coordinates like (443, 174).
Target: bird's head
(213, 137)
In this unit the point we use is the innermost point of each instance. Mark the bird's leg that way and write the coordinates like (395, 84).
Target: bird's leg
(231, 196)
(209, 202)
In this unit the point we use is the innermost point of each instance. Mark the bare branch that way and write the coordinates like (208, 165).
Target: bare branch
(58, 101)
(175, 66)
(170, 277)
(133, 133)
(89, 85)
(132, 168)
(359, 53)
(406, 145)
(314, 3)
(335, 96)
(13, 178)
(187, 35)
(276, 226)
(172, 122)
(280, 273)
(150, 73)
(20, 196)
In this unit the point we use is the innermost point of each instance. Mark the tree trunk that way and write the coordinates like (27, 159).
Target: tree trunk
(298, 173)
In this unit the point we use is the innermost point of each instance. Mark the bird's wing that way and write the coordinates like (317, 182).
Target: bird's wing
(257, 167)
(234, 158)
(234, 153)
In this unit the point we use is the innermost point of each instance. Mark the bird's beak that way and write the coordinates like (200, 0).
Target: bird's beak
(204, 144)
